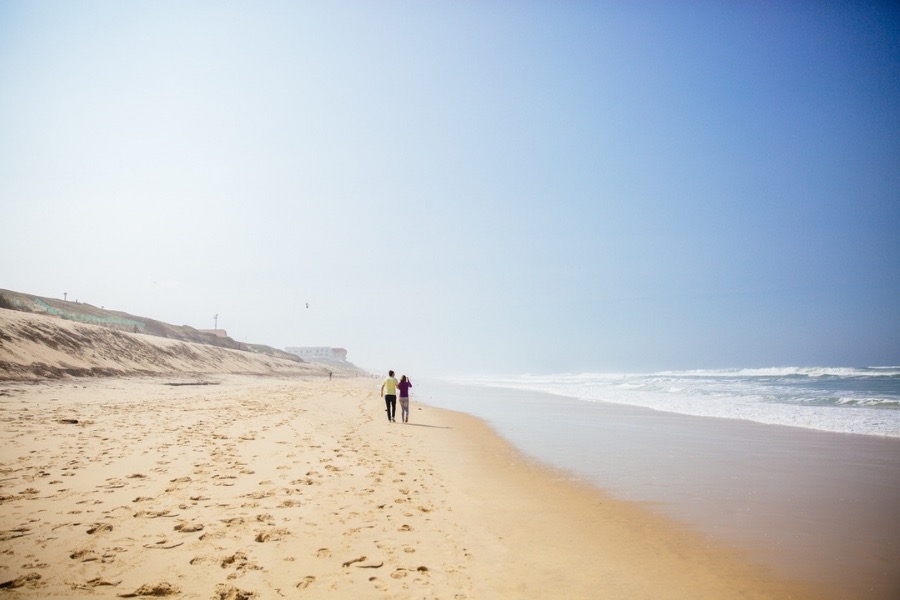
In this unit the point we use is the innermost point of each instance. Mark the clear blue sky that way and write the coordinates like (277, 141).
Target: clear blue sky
(466, 187)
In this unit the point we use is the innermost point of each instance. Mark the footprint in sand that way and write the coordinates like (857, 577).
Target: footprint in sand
(214, 535)
(239, 562)
(29, 579)
(379, 585)
(323, 553)
(260, 495)
(100, 528)
(229, 592)
(14, 533)
(95, 583)
(156, 589)
(273, 535)
(306, 582)
(154, 514)
(84, 555)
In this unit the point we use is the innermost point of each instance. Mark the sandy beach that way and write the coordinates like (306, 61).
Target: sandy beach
(242, 486)
(185, 470)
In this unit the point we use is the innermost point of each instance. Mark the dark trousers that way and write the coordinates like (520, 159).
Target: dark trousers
(390, 400)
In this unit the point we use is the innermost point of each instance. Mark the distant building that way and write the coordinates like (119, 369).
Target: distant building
(319, 354)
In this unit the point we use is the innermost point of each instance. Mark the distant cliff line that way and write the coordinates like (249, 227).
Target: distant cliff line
(47, 337)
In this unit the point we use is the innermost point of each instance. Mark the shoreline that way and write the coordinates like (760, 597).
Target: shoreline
(809, 504)
(633, 550)
(299, 487)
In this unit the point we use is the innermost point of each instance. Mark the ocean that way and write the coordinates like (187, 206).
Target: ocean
(797, 467)
(846, 400)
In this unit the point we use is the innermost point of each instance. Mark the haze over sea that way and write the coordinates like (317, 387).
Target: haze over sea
(465, 188)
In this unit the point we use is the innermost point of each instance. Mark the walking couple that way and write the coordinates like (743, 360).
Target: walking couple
(389, 392)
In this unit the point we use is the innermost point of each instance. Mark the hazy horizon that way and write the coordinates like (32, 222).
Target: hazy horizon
(466, 188)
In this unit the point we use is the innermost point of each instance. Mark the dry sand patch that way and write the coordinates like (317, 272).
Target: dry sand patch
(248, 487)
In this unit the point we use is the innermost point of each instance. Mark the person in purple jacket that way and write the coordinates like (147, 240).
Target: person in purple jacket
(404, 386)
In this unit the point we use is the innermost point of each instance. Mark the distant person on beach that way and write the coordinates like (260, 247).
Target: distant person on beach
(389, 393)
(404, 385)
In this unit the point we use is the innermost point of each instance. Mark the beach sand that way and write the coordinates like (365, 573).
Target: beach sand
(241, 486)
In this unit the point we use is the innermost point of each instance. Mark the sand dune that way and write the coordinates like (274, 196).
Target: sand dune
(35, 346)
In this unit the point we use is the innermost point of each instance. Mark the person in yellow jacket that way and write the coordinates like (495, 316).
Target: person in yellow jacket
(389, 393)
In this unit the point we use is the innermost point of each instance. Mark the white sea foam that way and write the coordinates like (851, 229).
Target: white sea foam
(847, 400)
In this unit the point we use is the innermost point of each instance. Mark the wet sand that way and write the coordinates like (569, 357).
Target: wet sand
(813, 505)
(265, 487)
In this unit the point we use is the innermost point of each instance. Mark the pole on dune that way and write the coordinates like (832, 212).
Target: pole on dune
(216, 322)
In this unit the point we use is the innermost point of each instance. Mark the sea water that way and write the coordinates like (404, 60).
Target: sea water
(845, 400)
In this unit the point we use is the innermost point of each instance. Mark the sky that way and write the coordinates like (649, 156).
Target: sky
(463, 188)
